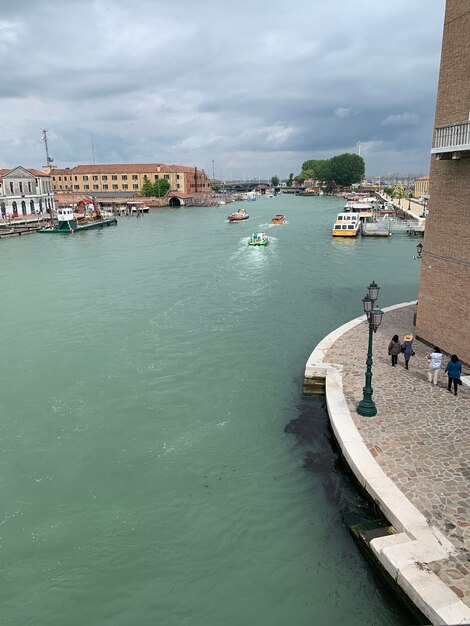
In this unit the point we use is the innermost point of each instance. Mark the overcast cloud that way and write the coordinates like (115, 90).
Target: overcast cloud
(256, 86)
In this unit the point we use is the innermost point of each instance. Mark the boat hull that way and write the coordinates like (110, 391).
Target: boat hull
(110, 221)
(232, 218)
(344, 233)
(261, 243)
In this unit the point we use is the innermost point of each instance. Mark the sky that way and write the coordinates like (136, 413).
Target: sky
(240, 88)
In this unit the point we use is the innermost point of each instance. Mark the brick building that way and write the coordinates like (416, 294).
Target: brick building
(444, 296)
(128, 178)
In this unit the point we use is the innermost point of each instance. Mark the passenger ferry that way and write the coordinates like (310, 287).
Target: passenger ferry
(347, 225)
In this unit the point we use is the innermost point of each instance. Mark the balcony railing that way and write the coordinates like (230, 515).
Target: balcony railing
(452, 138)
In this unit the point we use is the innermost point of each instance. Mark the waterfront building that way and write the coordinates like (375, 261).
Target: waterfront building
(128, 178)
(443, 316)
(421, 187)
(25, 192)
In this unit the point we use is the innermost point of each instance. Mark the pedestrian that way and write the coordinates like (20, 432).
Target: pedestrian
(453, 370)
(407, 348)
(434, 360)
(394, 349)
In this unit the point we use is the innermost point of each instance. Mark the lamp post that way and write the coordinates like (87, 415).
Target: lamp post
(419, 250)
(366, 406)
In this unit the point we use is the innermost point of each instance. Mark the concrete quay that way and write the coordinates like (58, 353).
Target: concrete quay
(412, 458)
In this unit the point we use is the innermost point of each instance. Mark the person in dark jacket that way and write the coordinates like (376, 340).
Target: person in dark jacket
(407, 348)
(394, 349)
(453, 371)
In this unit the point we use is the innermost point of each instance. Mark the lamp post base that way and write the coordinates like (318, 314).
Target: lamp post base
(366, 408)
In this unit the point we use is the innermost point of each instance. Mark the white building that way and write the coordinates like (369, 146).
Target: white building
(25, 192)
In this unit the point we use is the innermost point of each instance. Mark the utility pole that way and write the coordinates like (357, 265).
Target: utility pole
(213, 176)
(359, 148)
(49, 161)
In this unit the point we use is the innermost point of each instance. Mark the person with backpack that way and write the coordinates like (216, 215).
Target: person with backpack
(453, 371)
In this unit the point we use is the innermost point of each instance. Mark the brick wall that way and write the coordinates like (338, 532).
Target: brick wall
(444, 295)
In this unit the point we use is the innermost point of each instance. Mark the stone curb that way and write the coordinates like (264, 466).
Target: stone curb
(405, 555)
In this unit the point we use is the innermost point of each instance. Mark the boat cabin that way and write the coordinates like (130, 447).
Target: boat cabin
(346, 225)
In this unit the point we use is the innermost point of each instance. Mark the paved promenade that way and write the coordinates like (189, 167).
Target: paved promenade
(420, 436)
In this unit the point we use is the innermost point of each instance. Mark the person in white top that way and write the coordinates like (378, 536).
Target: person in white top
(434, 360)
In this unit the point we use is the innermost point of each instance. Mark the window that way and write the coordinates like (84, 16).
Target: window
(21, 187)
(135, 177)
(75, 178)
(31, 206)
(135, 186)
(96, 187)
(11, 187)
(60, 177)
(113, 177)
(85, 178)
(29, 188)
(178, 186)
(156, 176)
(105, 186)
(125, 186)
(95, 177)
(167, 177)
(76, 186)
(86, 186)
(23, 207)
(351, 226)
(124, 177)
(104, 177)
(60, 186)
(115, 186)
(177, 176)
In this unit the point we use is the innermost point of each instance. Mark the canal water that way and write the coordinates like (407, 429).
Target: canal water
(148, 372)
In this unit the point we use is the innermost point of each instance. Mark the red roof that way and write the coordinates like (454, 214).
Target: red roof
(114, 168)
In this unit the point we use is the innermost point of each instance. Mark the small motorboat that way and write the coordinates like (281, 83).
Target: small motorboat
(258, 239)
(278, 219)
(238, 216)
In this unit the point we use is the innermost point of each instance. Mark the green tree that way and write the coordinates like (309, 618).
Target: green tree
(275, 181)
(160, 187)
(147, 188)
(345, 169)
(215, 187)
(289, 180)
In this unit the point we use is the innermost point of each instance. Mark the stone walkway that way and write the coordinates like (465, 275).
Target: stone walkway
(420, 436)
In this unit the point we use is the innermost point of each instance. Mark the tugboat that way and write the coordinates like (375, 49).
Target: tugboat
(258, 239)
(278, 219)
(68, 223)
(238, 216)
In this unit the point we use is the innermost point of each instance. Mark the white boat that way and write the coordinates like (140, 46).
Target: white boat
(258, 239)
(347, 224)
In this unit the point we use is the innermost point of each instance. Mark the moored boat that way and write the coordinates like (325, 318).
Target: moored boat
(346, 225)
(258, 239)
(278, 219)
(67, 222)
(238, 216)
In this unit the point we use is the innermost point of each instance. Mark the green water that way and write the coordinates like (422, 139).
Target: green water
(147, 374)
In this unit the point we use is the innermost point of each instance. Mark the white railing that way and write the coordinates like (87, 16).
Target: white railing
(452, 137)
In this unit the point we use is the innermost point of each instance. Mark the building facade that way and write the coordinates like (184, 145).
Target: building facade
(443, 316)
(25, 192)
(128, 178)
(421, 187)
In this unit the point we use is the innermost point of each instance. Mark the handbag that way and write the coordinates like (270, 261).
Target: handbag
(412, 353)
(459, 382)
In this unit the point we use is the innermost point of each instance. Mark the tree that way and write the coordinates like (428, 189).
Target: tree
(215, 187)
(346, 169)
(274, 181)
(160, 187)
(289, 180)
(343, 169)
(147, 188)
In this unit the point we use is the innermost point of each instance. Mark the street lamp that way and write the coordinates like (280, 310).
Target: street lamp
(419, 250)
(366, 406)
